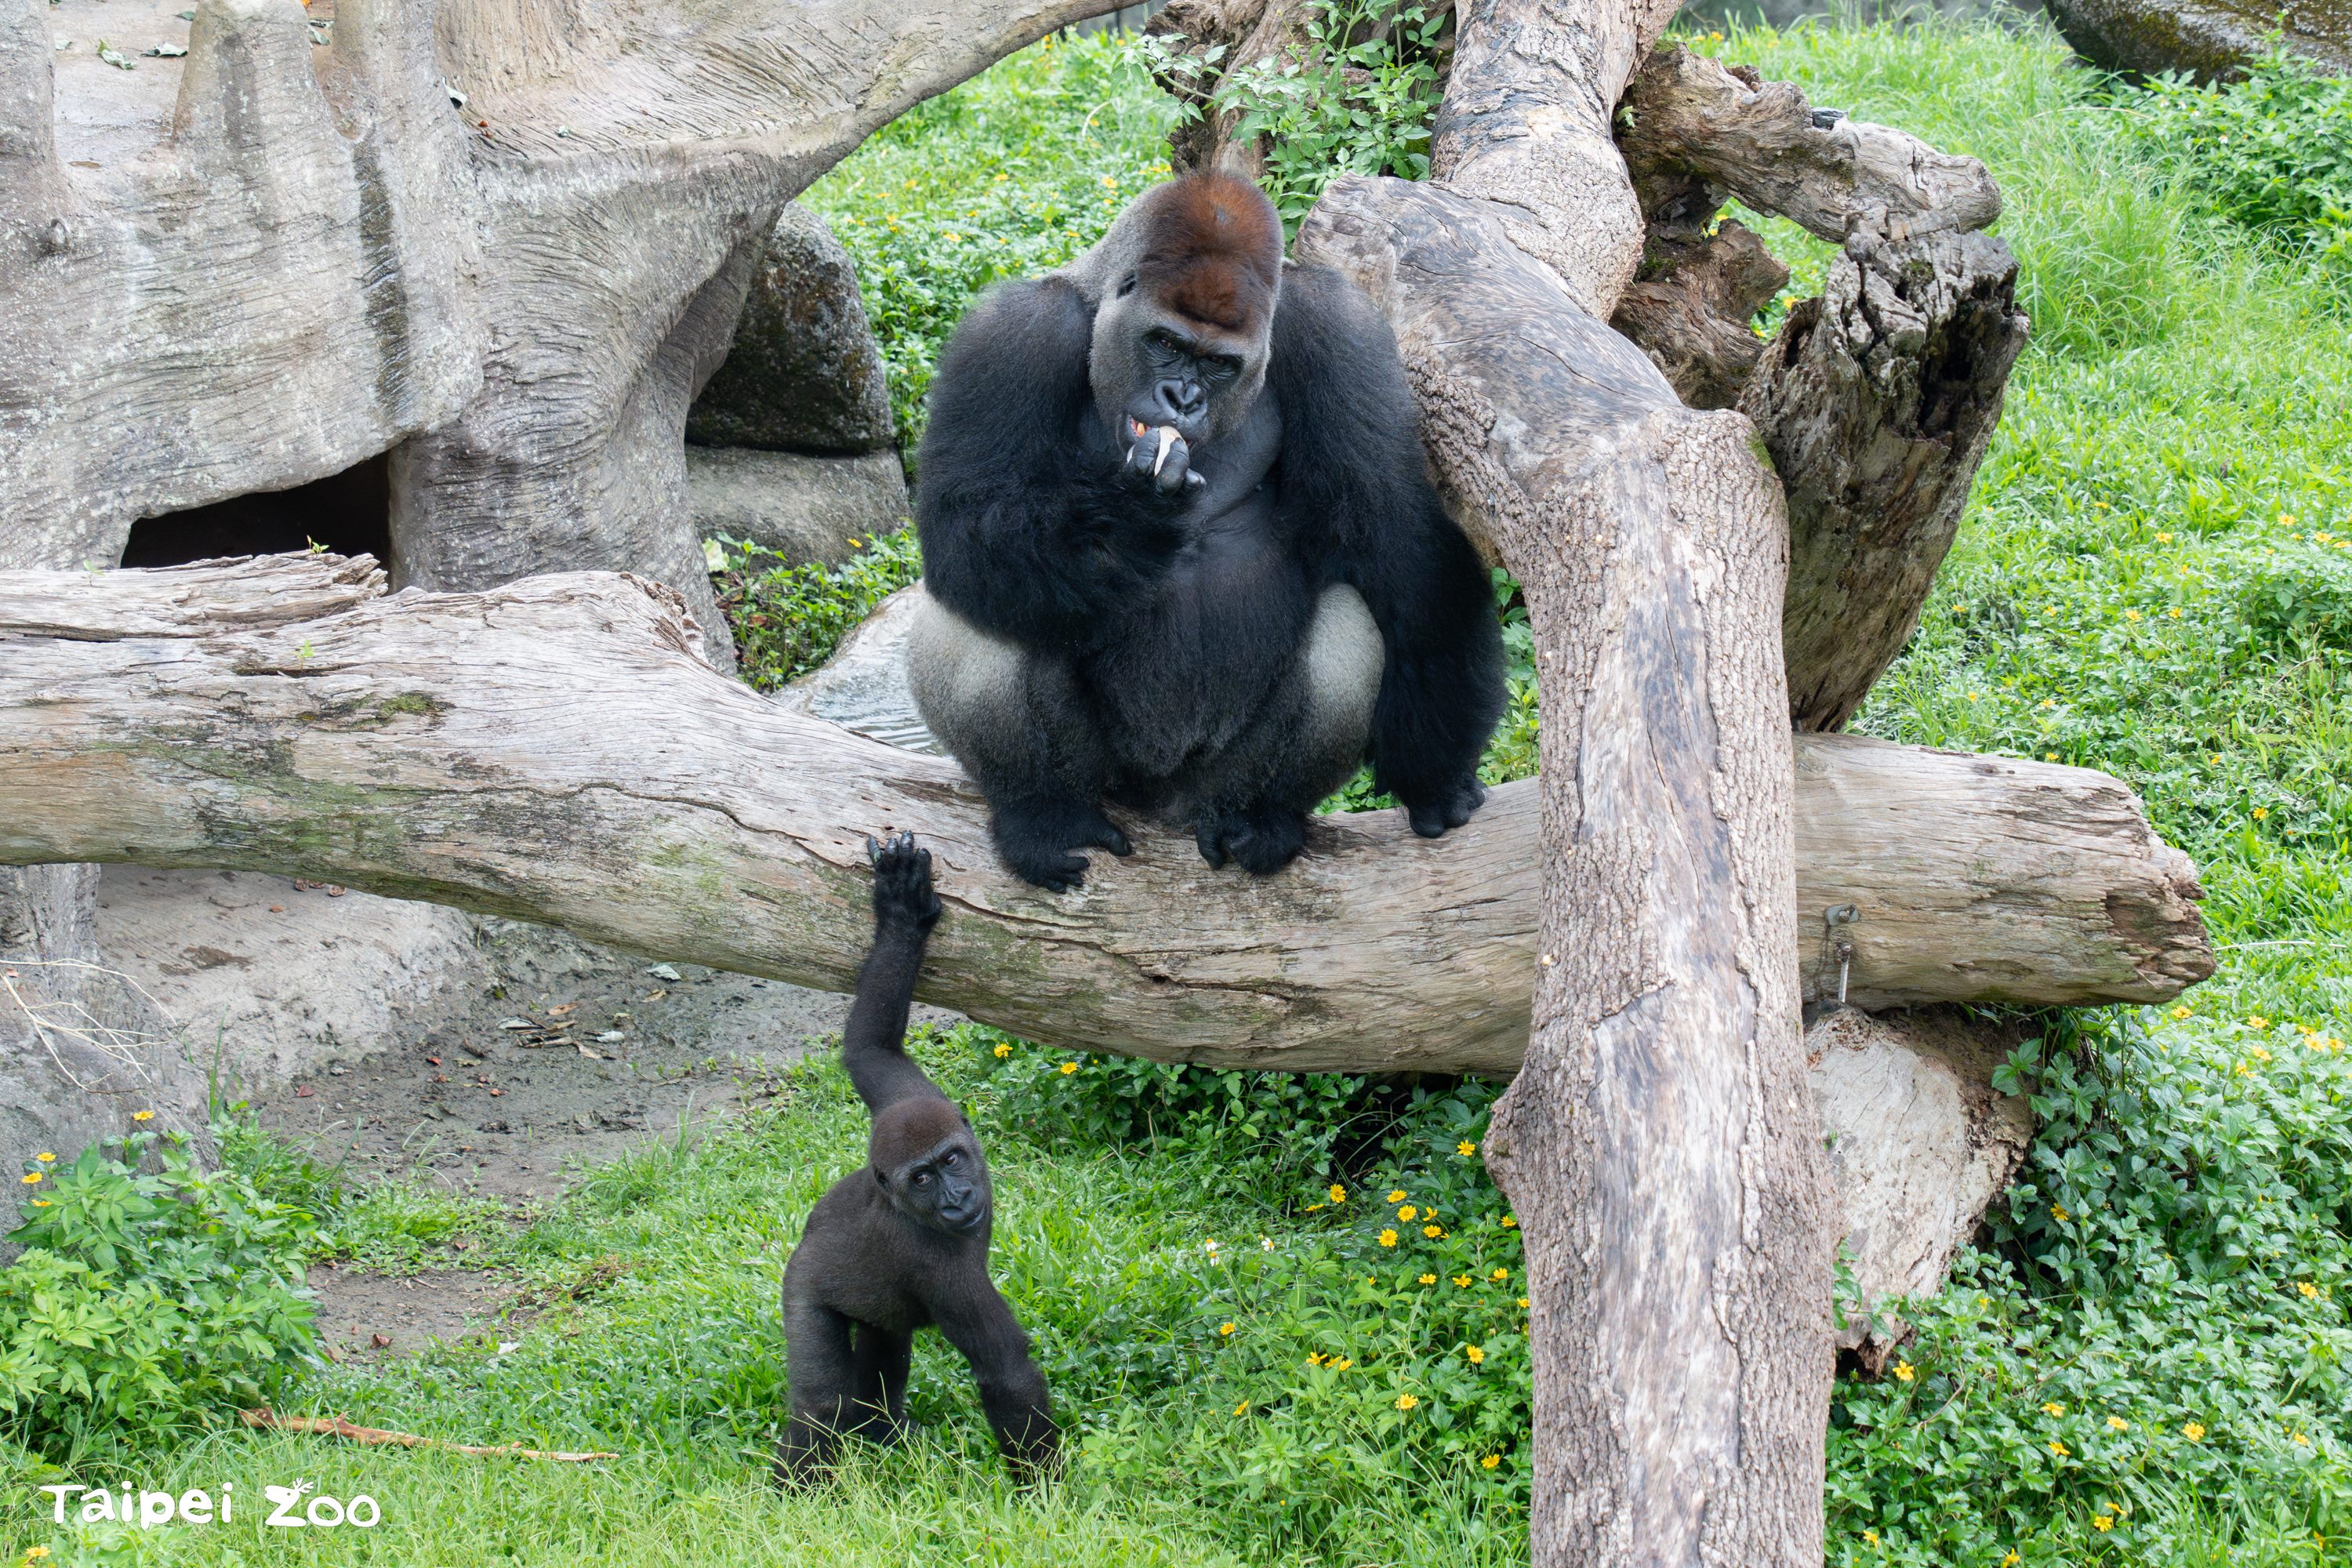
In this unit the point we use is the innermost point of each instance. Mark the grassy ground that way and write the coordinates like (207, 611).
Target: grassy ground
(2149, 1365)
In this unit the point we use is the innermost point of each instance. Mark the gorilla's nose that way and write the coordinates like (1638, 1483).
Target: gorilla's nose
(1182, 401)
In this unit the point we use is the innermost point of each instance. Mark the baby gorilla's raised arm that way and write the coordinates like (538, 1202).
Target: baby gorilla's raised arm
(874, 1045)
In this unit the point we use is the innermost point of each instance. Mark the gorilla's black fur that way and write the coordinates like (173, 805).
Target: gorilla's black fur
(904, 1242)
(1143, 479)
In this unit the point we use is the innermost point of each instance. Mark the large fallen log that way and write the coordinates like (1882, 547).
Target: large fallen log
(558, 749)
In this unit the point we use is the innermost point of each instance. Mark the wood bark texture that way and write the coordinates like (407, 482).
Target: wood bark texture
(558, 750)
(1876, 401)
(507, 241)
(1658, 1145)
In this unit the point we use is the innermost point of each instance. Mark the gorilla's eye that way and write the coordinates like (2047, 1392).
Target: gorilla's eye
(1222, 367)
(948, 1160)
(921, 1179)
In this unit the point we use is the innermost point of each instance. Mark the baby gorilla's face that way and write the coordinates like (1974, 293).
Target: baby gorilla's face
(929, 1164)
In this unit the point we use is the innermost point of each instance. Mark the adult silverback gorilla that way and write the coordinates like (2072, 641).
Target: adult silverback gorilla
(1181, 554)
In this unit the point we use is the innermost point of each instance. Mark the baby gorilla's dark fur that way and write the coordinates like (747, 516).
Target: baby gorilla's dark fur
(903, 1243)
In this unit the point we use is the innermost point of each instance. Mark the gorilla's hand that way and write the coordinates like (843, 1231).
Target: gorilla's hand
(1161, 458)
(1449, 806)
(902, 883)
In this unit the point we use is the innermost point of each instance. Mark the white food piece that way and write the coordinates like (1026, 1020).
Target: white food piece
(1167, 440)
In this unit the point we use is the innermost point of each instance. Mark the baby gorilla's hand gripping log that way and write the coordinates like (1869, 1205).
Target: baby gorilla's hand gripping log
(902, 1244)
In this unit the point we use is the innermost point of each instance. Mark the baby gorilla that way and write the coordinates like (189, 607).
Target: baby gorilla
(904, 1242)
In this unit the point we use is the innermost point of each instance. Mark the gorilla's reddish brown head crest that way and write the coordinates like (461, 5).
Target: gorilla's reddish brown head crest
(1211, 251)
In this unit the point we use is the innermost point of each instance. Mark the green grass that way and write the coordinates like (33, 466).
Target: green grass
(2174, 1258)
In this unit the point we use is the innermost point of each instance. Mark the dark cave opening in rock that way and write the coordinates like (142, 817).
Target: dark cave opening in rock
(348, 512)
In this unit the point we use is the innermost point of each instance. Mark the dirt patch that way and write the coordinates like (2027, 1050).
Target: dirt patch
(373, 1317)
(570, 1056)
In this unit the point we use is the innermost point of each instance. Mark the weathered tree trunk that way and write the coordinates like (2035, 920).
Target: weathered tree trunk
(81, 1051)
(1877, 401)
(558, 750)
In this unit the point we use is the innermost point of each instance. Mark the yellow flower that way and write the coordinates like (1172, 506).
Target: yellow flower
(1242, 1408)
(2301, 1441)
(1871, 1536)
(1316, 1358)
(40, 1203)
(2117, 1424)
(2260, 813)
(1224, 1329)
(1432, 1231)
(1465, 1148)
(1408, 1213)
(1338, 1192)
(1510, 1222)
(1500, 1274)
(1490, 1461)
(2131, 615)
(2182, 1011)
(2055, 1446)
(2174, 612)
(2103, 1521)
(1341, 1364)
(2054, 1408)
(1406, 1402)
(1397, 1196)
(1905, 1371)
(45, 1158)
(2310, 1292)
(2286, 520)
(1428, 1279)
(1003, 1050)
(2049, 756)
(2057, 1213)
(1068, 1067)
(1388, 1238)
(143, 1116)
(2256, 1021)
(1476, 1354)
(2012, 1561)
(2164, 538)
(32, 1178)
(1523, 1303)
(1462, 1281)
(2194, 1432)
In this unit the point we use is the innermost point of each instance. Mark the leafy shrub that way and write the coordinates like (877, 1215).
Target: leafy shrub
(2273, 152)
(2301, 598)
(1358, 100)
(788, 619)
(2163, 1317)
(142, 1302)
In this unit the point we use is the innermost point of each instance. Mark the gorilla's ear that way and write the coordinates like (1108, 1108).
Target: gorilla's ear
(880, 1178)
(1126, 286)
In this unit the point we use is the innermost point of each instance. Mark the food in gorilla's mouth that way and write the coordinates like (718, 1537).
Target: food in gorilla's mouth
(1167, 437)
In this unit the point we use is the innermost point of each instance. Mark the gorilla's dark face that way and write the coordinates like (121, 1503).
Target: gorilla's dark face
(1184, 288)
(1153, 369)
(925, 1156)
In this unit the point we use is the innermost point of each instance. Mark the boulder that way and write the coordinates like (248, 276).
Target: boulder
(284, 979)
(804, 374)
(863, 687)
(2210, 40)
(807, 508)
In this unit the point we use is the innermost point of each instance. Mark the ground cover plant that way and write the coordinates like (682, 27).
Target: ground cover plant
(1284, 1315)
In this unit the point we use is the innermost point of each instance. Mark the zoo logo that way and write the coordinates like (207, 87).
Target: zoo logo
(148, 1509)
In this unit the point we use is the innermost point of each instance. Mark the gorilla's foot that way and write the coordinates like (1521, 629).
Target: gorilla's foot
(1260, 838)
(1038, 837)
(1450, 807)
